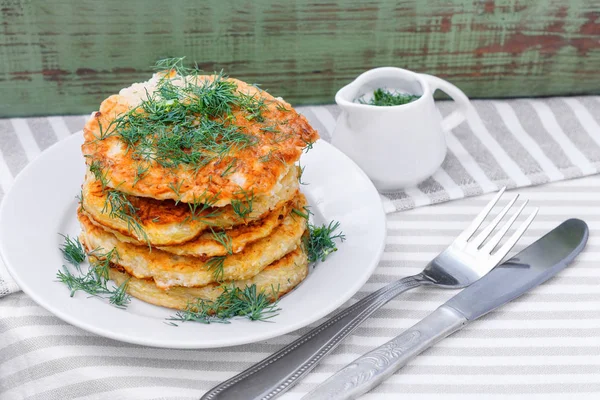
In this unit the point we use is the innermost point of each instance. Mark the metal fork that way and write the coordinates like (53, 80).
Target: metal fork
(468, 258)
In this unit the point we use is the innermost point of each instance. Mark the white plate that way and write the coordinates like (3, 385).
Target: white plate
(42, 204)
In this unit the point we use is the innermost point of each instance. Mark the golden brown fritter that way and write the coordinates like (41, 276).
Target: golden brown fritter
(169, 270)
(273, 141)
(167, 222)
(205, 245)
(236, 238)
(275, 280)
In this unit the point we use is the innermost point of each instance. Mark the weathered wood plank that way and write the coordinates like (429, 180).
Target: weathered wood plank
(59, 56)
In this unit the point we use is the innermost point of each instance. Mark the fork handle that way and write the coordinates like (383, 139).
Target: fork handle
(372, 368)
(275, 374)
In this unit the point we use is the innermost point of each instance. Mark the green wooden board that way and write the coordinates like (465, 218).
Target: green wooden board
(61, 56)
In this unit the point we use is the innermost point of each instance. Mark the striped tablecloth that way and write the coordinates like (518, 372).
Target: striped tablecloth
(545, 345)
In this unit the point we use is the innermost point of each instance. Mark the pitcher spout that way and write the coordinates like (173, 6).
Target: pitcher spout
(355, 96)
(345, 96)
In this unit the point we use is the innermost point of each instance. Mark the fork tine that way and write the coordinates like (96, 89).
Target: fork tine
(503, 251)
(492, 225)
(493, 242)
(467, 233)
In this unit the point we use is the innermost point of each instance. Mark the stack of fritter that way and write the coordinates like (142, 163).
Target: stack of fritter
(192, 180)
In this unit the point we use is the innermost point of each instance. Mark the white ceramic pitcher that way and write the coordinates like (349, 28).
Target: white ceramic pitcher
(397, 146)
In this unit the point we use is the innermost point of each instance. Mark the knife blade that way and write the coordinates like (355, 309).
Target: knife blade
(534, 265)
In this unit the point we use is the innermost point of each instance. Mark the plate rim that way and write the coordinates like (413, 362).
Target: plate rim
(162, 343)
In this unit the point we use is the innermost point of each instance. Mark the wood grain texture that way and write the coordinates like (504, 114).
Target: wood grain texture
(61, 56)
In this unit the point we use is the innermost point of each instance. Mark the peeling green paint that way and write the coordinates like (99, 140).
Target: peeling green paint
(59, 56)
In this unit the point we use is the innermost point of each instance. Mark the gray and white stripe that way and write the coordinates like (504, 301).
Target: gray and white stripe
(542, 346)
(512, 143)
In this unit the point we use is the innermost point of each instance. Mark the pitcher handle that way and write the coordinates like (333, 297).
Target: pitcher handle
(461, 99)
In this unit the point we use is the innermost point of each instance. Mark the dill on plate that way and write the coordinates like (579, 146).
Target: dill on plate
(73, 251)
(95, 281)
(320, 242)
(233, 302)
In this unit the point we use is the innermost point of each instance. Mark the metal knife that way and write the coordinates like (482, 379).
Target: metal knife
(531, 267)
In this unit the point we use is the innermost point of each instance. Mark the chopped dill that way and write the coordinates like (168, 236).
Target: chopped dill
(96, 170)
(301, 174)
(95, 281)
(176, 190)
(119, 297)
(187, 120)
(382, 97)
(304, 214)
(308, 146)
(139, 173)
(280, 158)
(279, 137)
(174, 63)
(199, 206)
(118, 206)
(87, 282)
(230, 168)
(320, 242)
(253, 106)
(72, 250)
(79, 198)
(105, 133)
(243, 208)
(266, 157)
(281, 107)
(216, 266)
(233, 302)
(270, 128)
(223, 239)
(101, 263)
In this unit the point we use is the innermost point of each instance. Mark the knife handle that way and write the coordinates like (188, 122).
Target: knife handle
(275, 374)
(369, 370)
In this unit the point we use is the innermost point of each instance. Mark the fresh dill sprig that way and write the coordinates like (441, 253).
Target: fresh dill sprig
(270, 128)
(174, 63)
(320, 242)
(254, 106)
(281, 107)
(243, 208)
(118, 206)
(177, 190)
(267, 157)
(199, 207)
(79, 198)
(140, 171)
(72, 250)
(279, 137)
(233, 302)
(87, 282)
(223, 239)
(99, 174)
(102, 261)
(95, 281)
(230, 169)
(105, 132)
(382, 97)
(304, 214)
(119, 297)
(216, 266)
(307, 146)
(301, 174)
